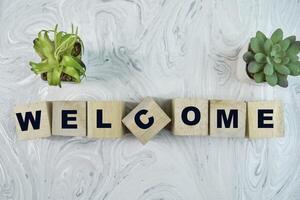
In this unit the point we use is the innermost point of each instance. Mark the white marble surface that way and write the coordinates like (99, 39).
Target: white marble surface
(138, 48)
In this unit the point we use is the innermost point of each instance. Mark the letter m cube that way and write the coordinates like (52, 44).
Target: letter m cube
(33, 120)
(227, 118)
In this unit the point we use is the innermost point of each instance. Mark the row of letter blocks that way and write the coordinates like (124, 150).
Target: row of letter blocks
(106, 119)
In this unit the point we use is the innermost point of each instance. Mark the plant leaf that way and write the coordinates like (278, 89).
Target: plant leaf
(254, 67)
(282, 69)
(291, 38)
(285, 44)
(72, 72)
(56, 76)
(254, 45)
(286, 60)
(294, 68)
(71, 62)
(42, 67)
(268, 46)
(269, 61)
(293, 58)
(260, 37)
(66, 46)
(45, 44)
(282, 80)
(276, 51)
(268, 69)
(277, 60)
(38, 49)
(276, 48)
(277, 36)
(294, 49)
(58, 39)
(272, 80)
(259, 77)
(248, 56)
(49, 77)
(260, 58)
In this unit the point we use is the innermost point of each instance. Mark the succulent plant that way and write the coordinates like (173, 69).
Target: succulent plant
(60, 56)
(272, 59)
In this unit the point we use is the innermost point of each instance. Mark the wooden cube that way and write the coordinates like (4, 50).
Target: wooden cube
(33, 120)
(146, 120)
(69, 118)
(105, 119)
(265, 119)
(227, 118)
(190, 116)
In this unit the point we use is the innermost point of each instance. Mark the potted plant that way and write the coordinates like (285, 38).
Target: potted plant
(269, 60)
(60, 56)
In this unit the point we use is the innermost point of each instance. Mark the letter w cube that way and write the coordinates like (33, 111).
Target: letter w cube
(33, 120)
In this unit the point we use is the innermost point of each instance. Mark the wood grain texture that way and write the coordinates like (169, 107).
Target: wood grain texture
(75, 122)
(112, 115)
(179, 127)
(227, 117)
(44, 129)
(154, 118)
(133, 49)
(276, 119)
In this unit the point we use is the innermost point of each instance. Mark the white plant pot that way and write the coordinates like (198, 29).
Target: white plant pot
(241, 65)
(241, 73)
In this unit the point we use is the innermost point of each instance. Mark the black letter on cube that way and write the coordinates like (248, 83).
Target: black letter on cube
(138, 121)
(35, 122)
(100, 123)
(65, 119)
(261, 118)
(184, 115)
(233, 116)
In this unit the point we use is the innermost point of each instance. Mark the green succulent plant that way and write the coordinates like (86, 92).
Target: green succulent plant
(272, 59)
(60, 56)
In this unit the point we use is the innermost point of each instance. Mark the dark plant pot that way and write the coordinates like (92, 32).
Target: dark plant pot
(63, 77)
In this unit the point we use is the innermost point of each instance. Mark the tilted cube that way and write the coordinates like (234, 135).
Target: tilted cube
(146, 120)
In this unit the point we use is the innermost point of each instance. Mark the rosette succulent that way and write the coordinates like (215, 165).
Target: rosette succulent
(272, 59)
(60, 54)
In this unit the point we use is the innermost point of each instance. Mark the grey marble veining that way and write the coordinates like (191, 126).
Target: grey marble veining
(138, 48)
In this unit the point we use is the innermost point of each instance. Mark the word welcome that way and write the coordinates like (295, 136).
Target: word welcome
(107, 119)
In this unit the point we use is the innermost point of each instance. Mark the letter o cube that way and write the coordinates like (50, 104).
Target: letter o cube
(190, 116)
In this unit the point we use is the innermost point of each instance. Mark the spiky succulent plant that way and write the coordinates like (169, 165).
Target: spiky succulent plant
(60, 56)
(272, 59)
